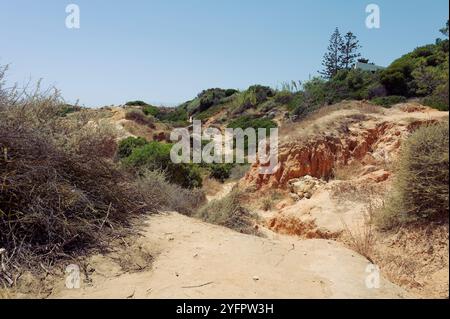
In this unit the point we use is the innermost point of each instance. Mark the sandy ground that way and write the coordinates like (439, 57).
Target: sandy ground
(198, 260)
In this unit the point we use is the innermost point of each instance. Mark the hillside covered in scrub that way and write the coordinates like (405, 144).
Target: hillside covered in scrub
(362, 181)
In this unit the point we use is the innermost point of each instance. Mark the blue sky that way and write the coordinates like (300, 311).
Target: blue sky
(169, 50)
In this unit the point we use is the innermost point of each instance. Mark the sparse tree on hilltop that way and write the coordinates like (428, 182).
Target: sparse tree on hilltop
(332, 60)
(444, 30)
(349, 50)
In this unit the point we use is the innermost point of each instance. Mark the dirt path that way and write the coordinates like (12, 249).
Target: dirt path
(198, 260)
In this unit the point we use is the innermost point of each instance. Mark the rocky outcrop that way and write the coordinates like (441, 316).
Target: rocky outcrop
(318, 155)
(372, 141)
(304, 187)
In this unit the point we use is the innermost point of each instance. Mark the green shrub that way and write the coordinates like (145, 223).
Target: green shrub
(419, 72)
(437, 102)
(156, 156)
(126, 146)
(420, 189)
(220, 172)
(211, 97)
(175, 116)
(68, 109)
(388, 101)
(136, 103)
(230, 92)
(248, 121)
(261, 92)
(297, 99)
(150, 110)
(284, 97)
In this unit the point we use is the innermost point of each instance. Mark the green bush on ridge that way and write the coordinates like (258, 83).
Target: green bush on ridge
(156, 156)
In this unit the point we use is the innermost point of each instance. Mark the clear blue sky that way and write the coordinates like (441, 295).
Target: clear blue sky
(169, 50)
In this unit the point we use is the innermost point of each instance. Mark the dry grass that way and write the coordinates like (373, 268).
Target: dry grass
(416, 257)
(347, 172)
(5, 294)
(330, 119)
(267, 204)
(269, 200)
(167, 196)
(211, 186)
(355, 192)
(361, 237)
(229, 212)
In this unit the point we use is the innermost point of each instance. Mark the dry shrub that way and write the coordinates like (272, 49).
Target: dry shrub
(139, 117)
(371, 108)
(269, 200)
(361, 237)
(267, 204)
(211, 186)
(53, 202)
(167, 196)
(229, 212)
(81, 135)
(416, 257)
(420, 189)
(59, 193)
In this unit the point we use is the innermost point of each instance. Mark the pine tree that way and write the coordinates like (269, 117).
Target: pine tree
(444, 30)
(349, 50)
(332, 60)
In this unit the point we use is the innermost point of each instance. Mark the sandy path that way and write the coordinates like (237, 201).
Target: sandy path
(199, 260)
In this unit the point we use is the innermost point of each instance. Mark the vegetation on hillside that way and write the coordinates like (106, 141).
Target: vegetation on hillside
(145, 113)
(423, 74)
(62, 193)
(420, 190)
(229, 212)
(138, 154)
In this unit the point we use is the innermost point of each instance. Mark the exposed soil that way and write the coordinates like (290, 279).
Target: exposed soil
(197, 260)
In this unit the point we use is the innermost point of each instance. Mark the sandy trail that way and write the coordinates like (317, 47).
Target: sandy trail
(198, 260)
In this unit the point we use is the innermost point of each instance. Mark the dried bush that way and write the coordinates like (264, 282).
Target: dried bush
(60, 194)
(139, 117)
(420, 189)
(361, 237)
(167, 196)
(54, 203)
(229, 212)
(267, 204)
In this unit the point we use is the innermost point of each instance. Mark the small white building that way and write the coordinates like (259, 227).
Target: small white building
(370, 67)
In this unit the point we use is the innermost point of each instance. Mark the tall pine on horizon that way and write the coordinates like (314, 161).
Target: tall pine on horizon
(349, 50)
(332, 60)
(341, 53)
